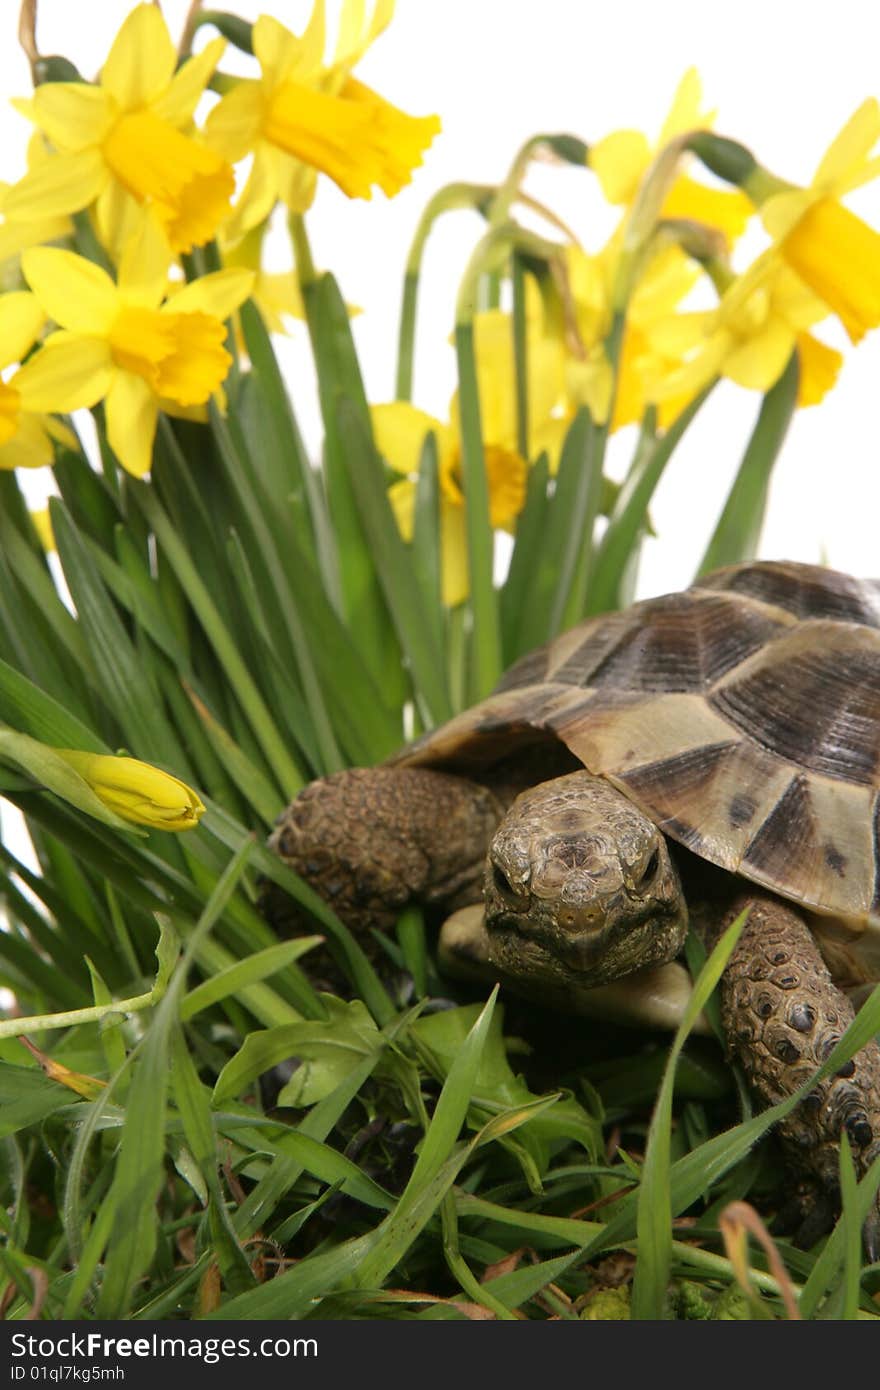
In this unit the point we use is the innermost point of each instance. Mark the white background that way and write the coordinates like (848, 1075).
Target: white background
(783, 75)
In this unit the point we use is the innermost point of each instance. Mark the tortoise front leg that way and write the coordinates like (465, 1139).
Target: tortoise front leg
(371, 839)
(782, 1016)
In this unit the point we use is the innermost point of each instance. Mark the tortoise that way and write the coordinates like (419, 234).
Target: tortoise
(717, 749)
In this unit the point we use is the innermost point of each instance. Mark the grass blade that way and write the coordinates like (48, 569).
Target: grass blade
(654, 1224)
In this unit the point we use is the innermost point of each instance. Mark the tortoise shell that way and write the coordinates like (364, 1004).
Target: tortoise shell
(742, 715)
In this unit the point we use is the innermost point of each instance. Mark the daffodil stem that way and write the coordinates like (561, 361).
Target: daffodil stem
(485, 651)
(302, 251)
(406, 337)
(450, 199)
(568, 148)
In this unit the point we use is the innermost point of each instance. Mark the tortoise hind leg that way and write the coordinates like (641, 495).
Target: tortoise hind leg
(782, 1016)
(370, 840)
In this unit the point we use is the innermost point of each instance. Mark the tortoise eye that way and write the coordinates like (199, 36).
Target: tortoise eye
(649, 873)
(502, 882)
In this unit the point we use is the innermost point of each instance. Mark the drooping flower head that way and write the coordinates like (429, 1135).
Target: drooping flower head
(121, 142)
(621, 160)
(761, 319)
(830, 248)
(304, 116)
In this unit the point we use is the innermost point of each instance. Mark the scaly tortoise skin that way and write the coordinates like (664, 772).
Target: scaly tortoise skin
(740, 720)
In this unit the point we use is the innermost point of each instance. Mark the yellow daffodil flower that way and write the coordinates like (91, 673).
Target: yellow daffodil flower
(122, 141)
(275, 293)
(665, 280)
(17, 236)
(120, 343)
(621, 160)
(749, 338)
(302, 116)
(400, 430)
(25, 432)
(835, 252)
(136, 791)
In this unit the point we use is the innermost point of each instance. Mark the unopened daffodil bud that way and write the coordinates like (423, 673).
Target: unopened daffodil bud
(136, 791)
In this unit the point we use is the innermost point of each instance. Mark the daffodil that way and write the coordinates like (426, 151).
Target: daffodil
(121, 344)
(835, 252)
(621, 160)
(761, 319)
(136, 791)
(26, 433)
(17, 236)
(122, 142)
(666, 279)
(400, 430)
(303, 116)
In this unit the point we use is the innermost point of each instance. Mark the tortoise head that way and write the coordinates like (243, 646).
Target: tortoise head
(580, 887)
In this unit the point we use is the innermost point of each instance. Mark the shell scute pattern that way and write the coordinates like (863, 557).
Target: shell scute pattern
(742, 715)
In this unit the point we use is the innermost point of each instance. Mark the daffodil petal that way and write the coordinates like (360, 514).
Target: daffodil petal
(728, 209)
(178, 103)
(131, 411)
(21, 318)
(819, 366)
(860, 174)
(59, 432)
(454, 572)
(260, 193)
(685, 112)
(400, 430)
(851, 146)
(402, 497)
(781, 212)
(218, 294)
(619, 161)
(297, 182)
(679, 333)
(759, 362)
(143, 267)
(355, 37)
(69, 371)
(74, 115)
(233, 126)
(16, 237)
(62, 184)
(43, 526)
(277, 50)
(141, 62)
(115, 215)
(30, 446)
(685, 381)
(313, 41)
(75, 292)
